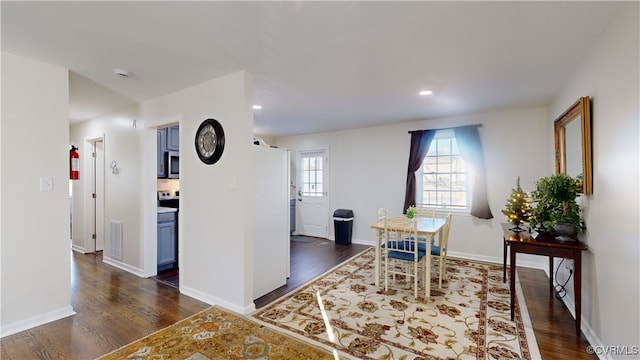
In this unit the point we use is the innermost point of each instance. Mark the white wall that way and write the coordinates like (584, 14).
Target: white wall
(216, 216)
(368, 168)
(611, 275)
(122, 195)
(35, 224)
(367, 172)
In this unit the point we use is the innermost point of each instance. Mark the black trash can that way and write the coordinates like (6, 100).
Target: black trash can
(343, 225)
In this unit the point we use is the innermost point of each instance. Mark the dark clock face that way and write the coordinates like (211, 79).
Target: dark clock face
(209, 141)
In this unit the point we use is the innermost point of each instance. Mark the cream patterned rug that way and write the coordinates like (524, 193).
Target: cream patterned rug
(469, 318)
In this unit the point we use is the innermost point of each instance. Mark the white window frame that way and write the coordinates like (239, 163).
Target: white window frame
(443, 134)
(313, 180)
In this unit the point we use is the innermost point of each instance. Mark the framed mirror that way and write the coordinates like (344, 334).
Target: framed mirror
(573, 143)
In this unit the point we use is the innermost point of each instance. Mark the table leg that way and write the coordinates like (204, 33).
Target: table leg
(427, 280)
(512, 278)
(504, 261)
(577, 281)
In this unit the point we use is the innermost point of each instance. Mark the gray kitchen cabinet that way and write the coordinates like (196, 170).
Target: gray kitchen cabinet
(162, 148)
(173, 138)
(167, 241)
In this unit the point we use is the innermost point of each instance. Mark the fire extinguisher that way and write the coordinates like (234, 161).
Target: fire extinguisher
(74, 163)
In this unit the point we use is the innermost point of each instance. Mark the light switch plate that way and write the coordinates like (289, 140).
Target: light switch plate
(46, 183)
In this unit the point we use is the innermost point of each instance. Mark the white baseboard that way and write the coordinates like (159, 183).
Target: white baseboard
(363, 242)
(41, 319)
(122, 266)
(79, 249)
(355, 241)
(196, 294)
(212, 300)
(496, 260)
(469, 256)
(586, 329)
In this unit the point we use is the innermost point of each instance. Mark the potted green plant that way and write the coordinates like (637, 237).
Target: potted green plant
(411, 212)
(556, 209)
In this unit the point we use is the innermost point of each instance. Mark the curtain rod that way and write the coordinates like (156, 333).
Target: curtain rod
(447, 128)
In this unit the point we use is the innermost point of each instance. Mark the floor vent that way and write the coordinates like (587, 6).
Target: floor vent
(115, 240)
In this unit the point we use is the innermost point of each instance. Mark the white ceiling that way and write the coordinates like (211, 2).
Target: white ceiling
(317, 66)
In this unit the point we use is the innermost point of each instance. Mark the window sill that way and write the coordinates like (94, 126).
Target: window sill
(444, 212)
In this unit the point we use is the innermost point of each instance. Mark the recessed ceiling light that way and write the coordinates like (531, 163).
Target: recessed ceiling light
(425, 92)
(257, 107)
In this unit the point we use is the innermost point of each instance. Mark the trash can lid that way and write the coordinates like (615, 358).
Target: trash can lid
(343, 213)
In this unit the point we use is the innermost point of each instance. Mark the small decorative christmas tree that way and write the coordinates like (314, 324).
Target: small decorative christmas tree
(518, 207)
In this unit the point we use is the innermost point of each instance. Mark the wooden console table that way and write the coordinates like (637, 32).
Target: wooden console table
(546, 245)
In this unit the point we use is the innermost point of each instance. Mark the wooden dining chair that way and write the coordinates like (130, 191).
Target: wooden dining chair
(402, 255)
(440, 250)
(424, 212)
(382, 215)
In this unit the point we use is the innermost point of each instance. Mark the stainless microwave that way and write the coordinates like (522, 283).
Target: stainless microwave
(172, 161)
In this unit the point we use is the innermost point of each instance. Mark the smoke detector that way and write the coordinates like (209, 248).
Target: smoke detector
(121, 73)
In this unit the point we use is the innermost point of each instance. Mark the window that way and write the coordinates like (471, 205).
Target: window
(312, 175)
(445, 180)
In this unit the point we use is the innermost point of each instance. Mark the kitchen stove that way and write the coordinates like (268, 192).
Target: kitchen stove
(167, 198)
(165, 195)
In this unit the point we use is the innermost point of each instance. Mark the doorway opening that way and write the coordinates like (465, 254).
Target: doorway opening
(312, 194)
(168, 202)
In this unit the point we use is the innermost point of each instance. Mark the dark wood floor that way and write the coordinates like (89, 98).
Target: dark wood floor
(552, 323)
(169, 277)
(309, 259)
(115, 308)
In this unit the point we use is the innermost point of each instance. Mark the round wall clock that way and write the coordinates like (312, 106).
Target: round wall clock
(209, 141)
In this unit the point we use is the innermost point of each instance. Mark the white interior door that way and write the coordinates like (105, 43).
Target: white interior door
(312, 193)
(98, 195)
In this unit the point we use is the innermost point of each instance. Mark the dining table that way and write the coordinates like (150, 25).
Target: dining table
(427, 227)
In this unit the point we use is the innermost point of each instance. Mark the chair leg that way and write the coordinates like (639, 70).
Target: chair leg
(426, 278)
(442, 265)
(393, 272)
(415, 279)
(386, 274)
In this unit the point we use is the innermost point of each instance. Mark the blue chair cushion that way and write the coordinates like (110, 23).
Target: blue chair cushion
(404, 245)
(435, 250)
(404, 256)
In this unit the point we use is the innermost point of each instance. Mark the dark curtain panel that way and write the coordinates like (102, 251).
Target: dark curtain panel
(468, 140)
(420, 142)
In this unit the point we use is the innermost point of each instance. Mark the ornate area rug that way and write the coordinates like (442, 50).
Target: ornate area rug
(217, 334)
(469, 318)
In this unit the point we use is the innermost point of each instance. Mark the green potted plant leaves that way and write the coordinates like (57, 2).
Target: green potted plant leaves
(556, 209)
(411, 212)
